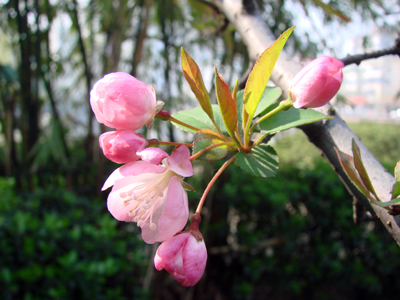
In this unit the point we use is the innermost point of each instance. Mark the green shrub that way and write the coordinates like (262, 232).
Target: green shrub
(57, 245)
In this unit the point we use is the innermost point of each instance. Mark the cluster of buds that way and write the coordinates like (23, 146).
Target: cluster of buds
(149, 187)
(148, 191)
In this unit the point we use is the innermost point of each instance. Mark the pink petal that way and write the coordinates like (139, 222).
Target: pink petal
(179, 161)
(121, 146)
(116, 205)
(168, 250)
(310, 85)
(194, 260)
(307, 68)
(152, 155)
(132, 169)
(173, 217)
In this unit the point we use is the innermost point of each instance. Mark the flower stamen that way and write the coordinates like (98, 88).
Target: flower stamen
(146, 196)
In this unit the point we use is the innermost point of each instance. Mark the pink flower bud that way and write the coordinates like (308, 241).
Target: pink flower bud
(121, 146)
(317, 83)
(121, 101)
(184, 256)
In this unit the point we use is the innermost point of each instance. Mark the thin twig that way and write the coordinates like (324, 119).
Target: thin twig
(357, 59)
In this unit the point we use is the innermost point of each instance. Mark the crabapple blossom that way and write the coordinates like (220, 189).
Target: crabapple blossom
(184, 256)
(317, 83)
(121, 146)
(121, 101)
(152, 195)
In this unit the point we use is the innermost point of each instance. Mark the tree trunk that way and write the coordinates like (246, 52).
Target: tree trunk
(141, 34)
(88, 78)
(30, 107)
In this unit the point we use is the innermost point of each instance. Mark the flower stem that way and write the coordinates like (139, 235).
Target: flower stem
(283, 105)
(174, 144)
(247, 135)
(210, 184)
(217, 127)
(165, 116)
(200, 153)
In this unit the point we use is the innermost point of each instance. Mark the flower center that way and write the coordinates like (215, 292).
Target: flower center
(149, 195)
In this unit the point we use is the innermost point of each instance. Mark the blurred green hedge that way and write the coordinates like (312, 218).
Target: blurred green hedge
(57, 245)
(289, 237)
(293, 237)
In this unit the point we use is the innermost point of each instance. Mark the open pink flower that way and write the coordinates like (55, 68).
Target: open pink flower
(121, 146)
(121, 101)
(152, 195)
(317, 83)
(184, 256)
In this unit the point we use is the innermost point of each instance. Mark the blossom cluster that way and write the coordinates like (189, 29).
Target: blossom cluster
(148, 188)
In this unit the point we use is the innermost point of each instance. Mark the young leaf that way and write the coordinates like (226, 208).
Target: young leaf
(269, 96)
(205, 138)
(361, 169)
(262, 161)
(240, 110)
(199, 119)
(289, 118)
(347, 163)
(226, 104)
(192, 73)
(261, 73)
(388, 203)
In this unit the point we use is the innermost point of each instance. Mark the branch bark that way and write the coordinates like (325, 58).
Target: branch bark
(245, 16)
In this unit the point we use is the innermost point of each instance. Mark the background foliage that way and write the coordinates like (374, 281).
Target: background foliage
(290, 237)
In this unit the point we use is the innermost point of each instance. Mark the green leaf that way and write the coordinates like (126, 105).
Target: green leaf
(262, 161)
(292, 117)
(261, 73)
(199, 119)
(192, 73)
(396, 190)
(269, 96)
(205, 138)
(361, 169)
(239, 104)
(226, 104)
(386, 204)
(347, 163)
(397, 171)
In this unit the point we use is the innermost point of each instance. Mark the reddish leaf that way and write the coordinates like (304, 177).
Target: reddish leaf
(361, 169)
(347, 163)
(226, 104)
(192, 73)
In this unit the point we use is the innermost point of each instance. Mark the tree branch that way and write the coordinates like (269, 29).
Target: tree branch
(245, 16)
(357, 59)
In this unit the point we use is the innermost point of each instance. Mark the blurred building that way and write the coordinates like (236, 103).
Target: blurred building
(371, 91)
